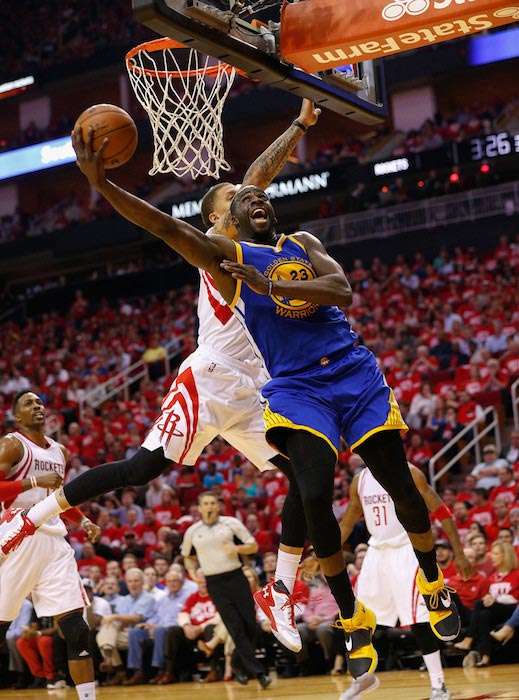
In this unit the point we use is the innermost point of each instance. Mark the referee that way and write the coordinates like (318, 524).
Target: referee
(211, 540)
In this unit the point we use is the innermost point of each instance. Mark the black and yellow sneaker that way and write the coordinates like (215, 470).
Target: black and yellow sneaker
(443, 613)
(359, 629)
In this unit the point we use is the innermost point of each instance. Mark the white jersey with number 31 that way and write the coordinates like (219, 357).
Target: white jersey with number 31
(379, 513)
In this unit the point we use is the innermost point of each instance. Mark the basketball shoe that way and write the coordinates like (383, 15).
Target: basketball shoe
(15, 526)
(362, 684)
(278, 605)
(360, 652)
(443, 613)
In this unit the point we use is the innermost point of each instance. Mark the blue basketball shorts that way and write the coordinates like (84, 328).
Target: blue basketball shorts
(348, 397)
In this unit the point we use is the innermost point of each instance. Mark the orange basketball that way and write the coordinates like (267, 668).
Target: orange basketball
(116, 124)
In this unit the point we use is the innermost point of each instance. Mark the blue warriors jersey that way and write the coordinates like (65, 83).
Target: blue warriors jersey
(290, 334)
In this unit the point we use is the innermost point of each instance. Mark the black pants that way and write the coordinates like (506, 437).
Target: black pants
(232, 596)
(178, 651)
(482, 620)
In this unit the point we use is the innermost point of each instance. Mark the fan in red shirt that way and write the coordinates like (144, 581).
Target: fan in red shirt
(501, 518)
(507, 489)
(468, 408)
(470, 590)
(468, 495)
(88, 559)
(496, 607)
(418, 452)
(462, 519)
(168, 511)
(481, 512)
(445, 559)
(266, 540)
(146, 531)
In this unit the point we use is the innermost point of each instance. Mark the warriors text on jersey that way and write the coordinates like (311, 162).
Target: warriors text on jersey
(290, 334)
(37, 461)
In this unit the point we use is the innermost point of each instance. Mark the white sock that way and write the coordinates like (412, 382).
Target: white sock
(434, 668)
(286, 569)
(44, 510)
(86, 691)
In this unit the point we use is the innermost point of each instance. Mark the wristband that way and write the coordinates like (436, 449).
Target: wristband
(34, 483)
(297, 123)
(441, 513)
(271, 288)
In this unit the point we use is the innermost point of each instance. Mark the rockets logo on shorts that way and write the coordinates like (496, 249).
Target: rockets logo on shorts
(179, 415)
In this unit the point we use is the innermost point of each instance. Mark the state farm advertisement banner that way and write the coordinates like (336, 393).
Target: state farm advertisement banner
(318, 35)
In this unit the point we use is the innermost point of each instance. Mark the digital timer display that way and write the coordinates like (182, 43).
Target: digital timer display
(494, 145)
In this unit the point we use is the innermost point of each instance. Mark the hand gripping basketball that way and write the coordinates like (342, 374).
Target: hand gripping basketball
(112, 122)
(90, 162)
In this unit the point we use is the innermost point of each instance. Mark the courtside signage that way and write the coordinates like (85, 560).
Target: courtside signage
(38, 157)
(277, 190)
(317, 35)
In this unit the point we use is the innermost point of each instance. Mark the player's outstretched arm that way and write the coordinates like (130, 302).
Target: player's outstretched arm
(438, 508)
(189, 242)
(271, 161)
(353, 511)
(330, 287)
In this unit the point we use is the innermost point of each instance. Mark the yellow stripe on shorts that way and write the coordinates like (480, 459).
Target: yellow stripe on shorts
(276, 420)
(394, 421)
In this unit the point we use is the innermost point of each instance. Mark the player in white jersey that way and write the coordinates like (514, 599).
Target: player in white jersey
(390, 554)
(44, 566)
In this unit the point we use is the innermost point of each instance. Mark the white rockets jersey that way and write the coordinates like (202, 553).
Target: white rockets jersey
(37, 461)
(219, 329)
(379, 513)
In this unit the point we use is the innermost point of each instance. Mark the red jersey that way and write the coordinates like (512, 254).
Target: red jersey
(504, 584)
(165, 514)
(84, 565)
(471, 590)
(482, 515)
(199, 608)
(449, 571)
(507, 493)
(147, 534)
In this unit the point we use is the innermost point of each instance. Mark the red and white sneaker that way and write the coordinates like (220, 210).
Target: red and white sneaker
(278, 605)
(15, 526)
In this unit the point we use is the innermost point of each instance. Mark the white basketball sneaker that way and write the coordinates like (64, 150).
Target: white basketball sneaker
(278, 605)
(440, 693)
(363, 684)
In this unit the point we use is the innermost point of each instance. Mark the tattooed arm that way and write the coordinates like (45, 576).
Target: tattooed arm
(270, 162)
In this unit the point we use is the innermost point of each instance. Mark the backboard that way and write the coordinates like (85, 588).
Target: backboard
(246, 35)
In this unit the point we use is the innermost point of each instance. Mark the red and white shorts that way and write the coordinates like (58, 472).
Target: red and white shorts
(210, 398)
(386, 584)
(44, 566)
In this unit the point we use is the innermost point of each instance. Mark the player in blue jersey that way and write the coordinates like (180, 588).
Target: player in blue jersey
(285, 291)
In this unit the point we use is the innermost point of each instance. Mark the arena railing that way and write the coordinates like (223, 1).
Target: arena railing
(473, 433)
(472, 205)
(121, 382)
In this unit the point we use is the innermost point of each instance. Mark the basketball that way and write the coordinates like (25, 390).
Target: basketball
(116, 124)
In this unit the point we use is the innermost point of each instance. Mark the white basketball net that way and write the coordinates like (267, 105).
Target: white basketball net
(184, 105)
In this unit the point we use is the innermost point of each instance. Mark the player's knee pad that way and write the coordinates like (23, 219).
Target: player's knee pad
(76, 633)
(425, 637)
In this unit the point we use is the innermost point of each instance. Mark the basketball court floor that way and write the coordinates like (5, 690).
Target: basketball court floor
(495, 682)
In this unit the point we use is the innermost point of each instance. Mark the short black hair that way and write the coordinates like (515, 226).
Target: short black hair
(19, 396)
(207, 204)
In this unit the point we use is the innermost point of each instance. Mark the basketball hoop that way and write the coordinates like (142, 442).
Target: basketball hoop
(183, 94)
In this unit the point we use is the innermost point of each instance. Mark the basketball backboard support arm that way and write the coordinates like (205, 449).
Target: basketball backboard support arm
(215, 33)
